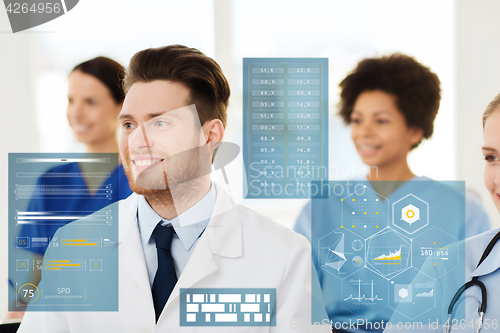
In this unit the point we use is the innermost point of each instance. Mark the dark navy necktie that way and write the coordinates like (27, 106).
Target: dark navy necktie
(165, 278)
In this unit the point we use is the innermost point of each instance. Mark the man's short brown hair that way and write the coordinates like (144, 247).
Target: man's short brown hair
(416, 88)
(208, 87)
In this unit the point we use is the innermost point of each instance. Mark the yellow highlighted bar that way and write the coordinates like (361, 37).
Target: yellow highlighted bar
(79, 244)
(52, 268)
(57, 261)
(392, 263)
(396, 258)
(73, 265)
(73, 240)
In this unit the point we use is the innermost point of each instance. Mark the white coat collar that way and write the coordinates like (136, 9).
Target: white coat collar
(492, 261)
(224, 228)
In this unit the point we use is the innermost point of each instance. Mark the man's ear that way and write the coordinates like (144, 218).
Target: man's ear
(213, 131)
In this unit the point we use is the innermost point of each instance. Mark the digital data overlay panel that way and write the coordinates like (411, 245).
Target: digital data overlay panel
(228, 307)
(380, 258)
(79, 269)
(285, 107)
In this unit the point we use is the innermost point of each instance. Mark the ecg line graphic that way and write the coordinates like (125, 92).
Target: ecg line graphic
(361, 298)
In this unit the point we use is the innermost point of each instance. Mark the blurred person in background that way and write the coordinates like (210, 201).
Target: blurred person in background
(95, 99)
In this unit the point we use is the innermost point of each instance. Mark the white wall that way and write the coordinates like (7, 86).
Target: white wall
(477, 83)
(18, 131)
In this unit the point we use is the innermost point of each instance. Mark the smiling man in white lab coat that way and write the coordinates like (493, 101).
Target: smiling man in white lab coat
(179, 229)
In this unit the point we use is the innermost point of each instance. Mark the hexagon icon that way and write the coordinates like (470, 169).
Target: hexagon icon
(411, 294)
(410, 214)
(341, 253)
(438, 250)
(365, 290)
(388, 253)
(403, 293)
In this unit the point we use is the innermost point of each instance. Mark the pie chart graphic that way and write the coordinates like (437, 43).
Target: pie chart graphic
(26, 14)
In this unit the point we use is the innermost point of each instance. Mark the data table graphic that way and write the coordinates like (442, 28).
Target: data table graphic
(80, 265)
(285, 106)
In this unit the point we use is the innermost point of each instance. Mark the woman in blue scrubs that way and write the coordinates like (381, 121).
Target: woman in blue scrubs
(95, 98)
(390, 103)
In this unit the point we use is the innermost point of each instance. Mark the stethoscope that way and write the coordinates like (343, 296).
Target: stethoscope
(474, 282)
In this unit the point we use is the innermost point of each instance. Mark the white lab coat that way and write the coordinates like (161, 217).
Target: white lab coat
(239, 249)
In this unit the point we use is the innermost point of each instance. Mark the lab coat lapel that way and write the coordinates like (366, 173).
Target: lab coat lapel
(224, 230)
(492, 261)
(131, 255)
(222, 237)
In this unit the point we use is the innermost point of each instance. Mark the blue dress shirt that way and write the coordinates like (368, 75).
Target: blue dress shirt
(185, 237)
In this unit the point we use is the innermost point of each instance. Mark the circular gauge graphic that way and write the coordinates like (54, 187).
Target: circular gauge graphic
(357, 245)
(28, 292)
(357, 261)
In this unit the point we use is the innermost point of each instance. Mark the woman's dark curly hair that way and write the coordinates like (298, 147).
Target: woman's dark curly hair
(416, 88)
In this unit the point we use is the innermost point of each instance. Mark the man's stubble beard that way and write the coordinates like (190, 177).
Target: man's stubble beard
(179, 173)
